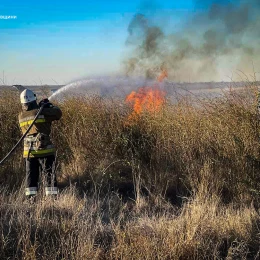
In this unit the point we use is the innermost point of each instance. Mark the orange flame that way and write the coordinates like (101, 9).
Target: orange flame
(162, 76)
(148, 99)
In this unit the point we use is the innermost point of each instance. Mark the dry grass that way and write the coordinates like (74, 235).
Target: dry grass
(92, 228)
(179, 184)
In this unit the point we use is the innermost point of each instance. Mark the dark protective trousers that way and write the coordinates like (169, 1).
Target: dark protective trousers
(45, 165)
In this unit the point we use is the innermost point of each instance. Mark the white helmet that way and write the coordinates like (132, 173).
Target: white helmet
(27, 96)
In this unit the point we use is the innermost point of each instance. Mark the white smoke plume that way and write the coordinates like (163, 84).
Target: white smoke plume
(215, 40)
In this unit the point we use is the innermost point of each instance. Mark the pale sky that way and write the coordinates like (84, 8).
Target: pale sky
(58, 42)
(62, 41)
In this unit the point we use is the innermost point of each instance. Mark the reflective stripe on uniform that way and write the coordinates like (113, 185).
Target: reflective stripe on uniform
(30, 138)
(26, 123)
(28, 118)
(51, 190)
(33, 148)
(31, 191)
(39, 152)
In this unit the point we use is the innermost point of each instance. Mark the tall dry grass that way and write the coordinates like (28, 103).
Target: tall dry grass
(179, 184)
(11, 171)
(93, 228)
(183, 149)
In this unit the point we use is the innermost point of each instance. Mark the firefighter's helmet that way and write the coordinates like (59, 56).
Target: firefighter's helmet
(27, 96)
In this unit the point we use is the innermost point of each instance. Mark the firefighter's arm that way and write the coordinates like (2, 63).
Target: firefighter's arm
(53, 113)
(19, 117)
(50, 111)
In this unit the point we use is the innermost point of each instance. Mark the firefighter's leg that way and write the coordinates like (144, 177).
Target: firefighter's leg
(48, 170)
(32, 176)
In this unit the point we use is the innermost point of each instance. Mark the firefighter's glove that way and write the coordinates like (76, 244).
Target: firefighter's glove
(46, 103)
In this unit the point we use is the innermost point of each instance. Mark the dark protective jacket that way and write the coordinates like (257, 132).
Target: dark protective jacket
(37, 143)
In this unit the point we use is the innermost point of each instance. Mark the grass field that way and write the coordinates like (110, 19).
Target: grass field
(178, 183)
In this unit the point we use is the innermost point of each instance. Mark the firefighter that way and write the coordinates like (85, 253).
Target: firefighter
(39, 152)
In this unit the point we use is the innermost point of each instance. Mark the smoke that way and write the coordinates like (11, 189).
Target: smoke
(216, 39)
(147, 38)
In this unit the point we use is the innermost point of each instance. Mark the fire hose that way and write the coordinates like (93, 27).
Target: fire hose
(24, 135)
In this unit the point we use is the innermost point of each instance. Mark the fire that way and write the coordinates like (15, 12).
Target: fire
(149, 99)
(146, 99)
(162, 76)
